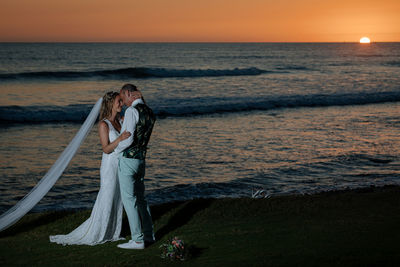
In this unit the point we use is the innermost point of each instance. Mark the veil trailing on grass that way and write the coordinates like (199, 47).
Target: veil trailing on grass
(46, 183)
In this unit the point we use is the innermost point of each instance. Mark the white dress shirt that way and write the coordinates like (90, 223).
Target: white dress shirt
(130, 120)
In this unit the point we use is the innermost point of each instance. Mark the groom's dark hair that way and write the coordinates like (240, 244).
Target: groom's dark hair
(129, 87)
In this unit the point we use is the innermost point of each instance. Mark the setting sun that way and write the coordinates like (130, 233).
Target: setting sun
(365, 40)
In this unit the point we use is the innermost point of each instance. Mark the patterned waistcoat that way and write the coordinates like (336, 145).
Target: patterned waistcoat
(144, 127)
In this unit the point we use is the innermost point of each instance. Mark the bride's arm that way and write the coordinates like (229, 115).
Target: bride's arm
(105, 143)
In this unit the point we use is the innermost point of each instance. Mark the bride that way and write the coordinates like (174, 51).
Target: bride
(104, 223)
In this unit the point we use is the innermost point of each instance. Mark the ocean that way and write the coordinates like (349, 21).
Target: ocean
(232, 118)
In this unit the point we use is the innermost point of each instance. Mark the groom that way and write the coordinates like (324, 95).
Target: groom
(139, 121)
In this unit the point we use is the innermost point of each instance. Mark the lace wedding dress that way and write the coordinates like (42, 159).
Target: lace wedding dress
(104, 223)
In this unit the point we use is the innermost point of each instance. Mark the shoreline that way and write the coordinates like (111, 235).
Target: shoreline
(266, 195)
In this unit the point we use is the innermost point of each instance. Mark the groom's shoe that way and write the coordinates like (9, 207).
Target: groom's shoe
(132, 245)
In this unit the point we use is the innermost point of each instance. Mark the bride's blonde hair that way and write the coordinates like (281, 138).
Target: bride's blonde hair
(107, 104)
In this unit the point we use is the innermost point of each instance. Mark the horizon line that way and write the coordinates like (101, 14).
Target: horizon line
(176, 42)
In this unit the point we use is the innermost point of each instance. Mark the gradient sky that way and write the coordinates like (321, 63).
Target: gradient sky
(199, 20)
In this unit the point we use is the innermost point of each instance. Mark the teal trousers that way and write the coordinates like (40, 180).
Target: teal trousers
(131, 180)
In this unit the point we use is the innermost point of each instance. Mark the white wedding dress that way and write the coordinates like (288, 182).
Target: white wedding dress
(104, 223)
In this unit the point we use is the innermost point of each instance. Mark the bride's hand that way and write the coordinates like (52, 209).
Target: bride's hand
(124, 135)
(136, 95)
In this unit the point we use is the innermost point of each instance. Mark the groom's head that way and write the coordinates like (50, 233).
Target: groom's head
(129, 93)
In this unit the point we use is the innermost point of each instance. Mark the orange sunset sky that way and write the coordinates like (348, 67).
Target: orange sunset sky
(199, 20)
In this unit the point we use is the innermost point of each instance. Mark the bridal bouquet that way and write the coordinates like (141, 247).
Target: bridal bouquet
(174, 249)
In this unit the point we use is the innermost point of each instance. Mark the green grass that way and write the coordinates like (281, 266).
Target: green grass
(348, 228)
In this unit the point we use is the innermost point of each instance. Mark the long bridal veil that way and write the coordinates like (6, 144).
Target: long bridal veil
(46, 183)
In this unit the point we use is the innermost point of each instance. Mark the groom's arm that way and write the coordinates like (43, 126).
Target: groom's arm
(130, 120)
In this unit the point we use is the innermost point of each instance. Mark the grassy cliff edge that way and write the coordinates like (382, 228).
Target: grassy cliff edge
(355, 227)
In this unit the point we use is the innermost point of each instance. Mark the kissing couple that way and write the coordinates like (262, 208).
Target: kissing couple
(122, 172)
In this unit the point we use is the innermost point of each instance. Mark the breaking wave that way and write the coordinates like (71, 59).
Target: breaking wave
(133, 73)
(196, 106)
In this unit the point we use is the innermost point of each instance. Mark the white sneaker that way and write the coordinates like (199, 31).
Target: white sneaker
(132, 245)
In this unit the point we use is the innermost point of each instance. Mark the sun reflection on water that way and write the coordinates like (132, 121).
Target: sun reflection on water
(284, 151)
